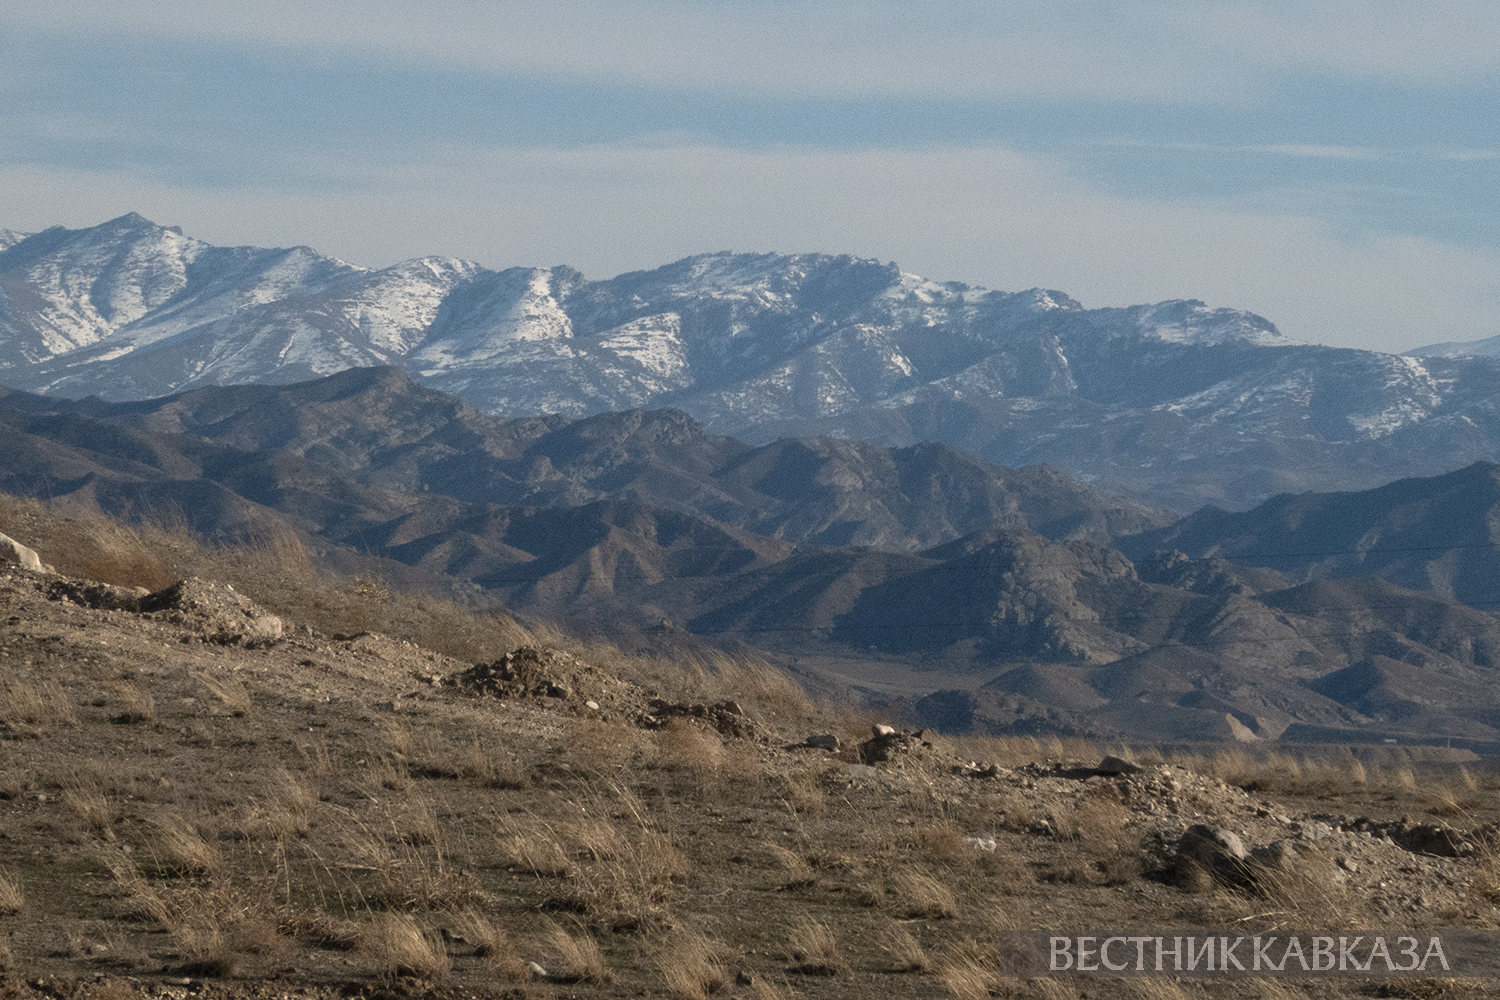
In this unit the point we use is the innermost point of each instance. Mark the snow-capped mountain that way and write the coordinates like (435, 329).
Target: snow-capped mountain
(1176, 402)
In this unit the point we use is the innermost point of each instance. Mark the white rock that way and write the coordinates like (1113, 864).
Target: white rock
(14, 552)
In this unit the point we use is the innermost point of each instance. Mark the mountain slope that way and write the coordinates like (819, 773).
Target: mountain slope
(1439, 534)
(1175, 402)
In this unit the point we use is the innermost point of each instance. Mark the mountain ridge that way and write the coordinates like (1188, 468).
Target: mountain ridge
(1176, 403)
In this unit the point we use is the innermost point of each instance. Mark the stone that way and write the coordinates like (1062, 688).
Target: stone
(1214, 849)
(823, 741)
(591, 705)
(12, 551)
(880, 729)
(537, 970)
(1113, 766)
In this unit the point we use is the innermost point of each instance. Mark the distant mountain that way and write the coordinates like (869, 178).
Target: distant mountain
(1175, 403)
(1488, 347)
(919, 561)
(1438, 534)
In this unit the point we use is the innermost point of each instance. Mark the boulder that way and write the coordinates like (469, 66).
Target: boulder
(1219, 852)
(12, 551)
(1113, 766)
(823, 741)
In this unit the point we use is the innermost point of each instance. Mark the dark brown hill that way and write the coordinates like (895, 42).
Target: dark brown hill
(1439, 534)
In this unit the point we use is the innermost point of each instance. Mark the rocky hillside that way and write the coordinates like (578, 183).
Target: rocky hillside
(1176, 403)
(208, 800)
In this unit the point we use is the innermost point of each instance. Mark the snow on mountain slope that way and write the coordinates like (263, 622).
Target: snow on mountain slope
(9, 238)
(1176, 401)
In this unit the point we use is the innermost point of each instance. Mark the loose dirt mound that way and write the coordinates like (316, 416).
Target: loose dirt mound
(544, 672)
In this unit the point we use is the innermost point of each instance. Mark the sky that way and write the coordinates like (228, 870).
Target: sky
(1332, 166)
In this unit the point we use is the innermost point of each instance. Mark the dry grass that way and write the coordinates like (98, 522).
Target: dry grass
(489, 942)
(902, 951)
(813, 949)
(12, 898)
(692, 965)
(229, 691)
(577, 957)
(133, 704)
(692, 752)
(83, 795)
(35, 702)
(489, 767)
(920, 896)
(176, 849)
(144, 900)
(398, 946)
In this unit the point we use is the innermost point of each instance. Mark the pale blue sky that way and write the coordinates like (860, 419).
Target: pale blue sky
(1333, 166)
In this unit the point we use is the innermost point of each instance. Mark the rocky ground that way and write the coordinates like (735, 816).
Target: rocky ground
(200, 797)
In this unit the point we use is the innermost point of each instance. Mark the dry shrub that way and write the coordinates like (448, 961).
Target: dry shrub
(577, 957)
(814, 950)
(12, 898)
(36, 702)
(692, 965)
(920, 896)
(399, 947)
(176, 849)
(903, 952)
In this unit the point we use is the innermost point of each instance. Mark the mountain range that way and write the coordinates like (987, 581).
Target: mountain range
(1176, 404)
(968, 595)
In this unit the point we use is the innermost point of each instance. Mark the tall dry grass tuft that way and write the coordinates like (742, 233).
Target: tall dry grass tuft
(35, 702)
(399, 947)
(920, 896)
(12, 898)
(814, 950)
(902, 951)
(84, 796)
(176, 849)
(578, 957)
(490, 943)
(230, 692)
(691, 964)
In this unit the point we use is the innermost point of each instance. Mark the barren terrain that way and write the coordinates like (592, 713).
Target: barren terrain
(262, 782)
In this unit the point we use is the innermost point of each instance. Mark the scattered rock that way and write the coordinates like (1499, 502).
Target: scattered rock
(824, 741)
(880, 729)
(726, 716)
